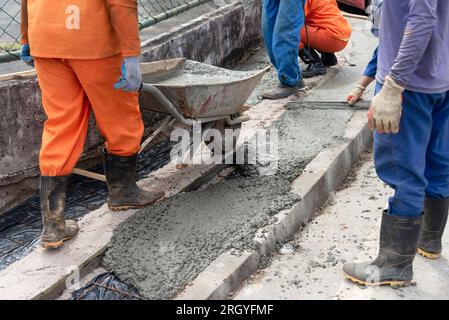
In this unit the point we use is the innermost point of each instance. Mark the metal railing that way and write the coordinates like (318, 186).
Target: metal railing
(150, 13)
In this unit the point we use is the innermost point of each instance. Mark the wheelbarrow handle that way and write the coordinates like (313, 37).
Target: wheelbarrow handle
(155, 92)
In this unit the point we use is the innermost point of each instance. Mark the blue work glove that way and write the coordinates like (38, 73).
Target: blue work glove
(131, 78)
(25, 55)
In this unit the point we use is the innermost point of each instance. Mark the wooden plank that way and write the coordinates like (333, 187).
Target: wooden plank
(18, 75)
(89, 174)
(156, 67)
(355, 16)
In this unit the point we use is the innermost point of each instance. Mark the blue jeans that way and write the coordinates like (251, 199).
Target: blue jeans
(371, 68)
(282, 21)
(415, 161)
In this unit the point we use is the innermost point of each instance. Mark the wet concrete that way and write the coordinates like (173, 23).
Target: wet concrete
(162, 248)
(195, 73)
(303, 133)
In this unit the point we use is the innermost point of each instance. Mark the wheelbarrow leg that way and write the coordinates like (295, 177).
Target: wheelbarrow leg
(101, 177)
(169, 121)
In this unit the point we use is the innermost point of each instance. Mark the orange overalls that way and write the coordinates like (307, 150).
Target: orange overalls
(328, 29)
(78, 47)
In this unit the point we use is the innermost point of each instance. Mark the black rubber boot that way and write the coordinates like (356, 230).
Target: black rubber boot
(394, 264)
(435, 218)
(314, 69)
(307, 56)
(123, 192)
(283, 91)
(329, 59)
(56, 229)
(314, 65)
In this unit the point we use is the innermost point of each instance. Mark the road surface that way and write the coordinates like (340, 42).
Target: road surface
(346, 229)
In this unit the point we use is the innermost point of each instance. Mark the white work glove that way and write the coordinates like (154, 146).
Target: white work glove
(386, 108)
(355, 95)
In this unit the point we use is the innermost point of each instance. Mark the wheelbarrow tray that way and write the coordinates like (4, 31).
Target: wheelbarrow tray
(198, 90)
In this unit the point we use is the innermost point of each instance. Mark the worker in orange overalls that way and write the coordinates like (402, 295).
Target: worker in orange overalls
(327, 31)
(86, 55)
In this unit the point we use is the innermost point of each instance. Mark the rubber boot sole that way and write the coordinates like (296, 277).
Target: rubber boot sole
(313, 74)
(129, 207)
(428, 255)
(394, 284)
(55, 244)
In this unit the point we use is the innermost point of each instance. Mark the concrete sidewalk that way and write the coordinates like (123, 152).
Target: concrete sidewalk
(346, 229)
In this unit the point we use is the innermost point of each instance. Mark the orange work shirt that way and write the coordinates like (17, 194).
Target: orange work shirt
(325, 14)
(80, 29)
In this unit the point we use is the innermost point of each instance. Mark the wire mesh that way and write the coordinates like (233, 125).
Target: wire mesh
(150, 13)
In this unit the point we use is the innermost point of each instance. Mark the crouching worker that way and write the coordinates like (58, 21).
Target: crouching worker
(86, 57)
(327, 31)
(410, 113)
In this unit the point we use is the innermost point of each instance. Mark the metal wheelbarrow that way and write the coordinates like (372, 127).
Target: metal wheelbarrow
(190, 92)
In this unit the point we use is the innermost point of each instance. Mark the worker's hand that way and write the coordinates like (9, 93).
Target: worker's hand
(355, 95)
(131, 78)
(386, 108)
(25, 55)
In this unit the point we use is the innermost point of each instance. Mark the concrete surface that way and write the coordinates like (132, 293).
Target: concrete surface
(47, 278)
(188, 231)
(173, 181)
(162, 248)
(321, 176)
(42, 274)
(302, 135)
(345, 229)
(324, 173)
(36, 277)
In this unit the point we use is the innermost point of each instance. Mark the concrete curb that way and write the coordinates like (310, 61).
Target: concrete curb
(320, 178)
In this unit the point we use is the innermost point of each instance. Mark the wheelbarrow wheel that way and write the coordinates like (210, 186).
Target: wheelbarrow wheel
(229, 135)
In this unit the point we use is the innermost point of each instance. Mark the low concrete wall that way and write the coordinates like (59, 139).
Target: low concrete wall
(212, 38)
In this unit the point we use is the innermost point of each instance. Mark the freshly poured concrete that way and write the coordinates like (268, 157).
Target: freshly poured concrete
(260, 115)
(195, 73)
(303, 133)
(162, 248)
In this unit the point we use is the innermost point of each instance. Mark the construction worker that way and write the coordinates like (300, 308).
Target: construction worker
(410, 113)
(281, 24)
(327, 31)
(369, 74)
(86, 54)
